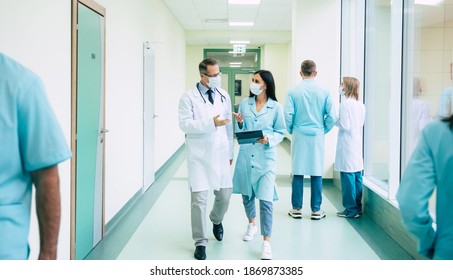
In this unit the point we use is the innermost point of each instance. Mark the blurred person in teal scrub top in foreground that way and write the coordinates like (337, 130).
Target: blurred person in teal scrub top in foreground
(31, 146)
(429, 169)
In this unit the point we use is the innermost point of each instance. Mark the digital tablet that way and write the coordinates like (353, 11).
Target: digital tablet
(247, 137)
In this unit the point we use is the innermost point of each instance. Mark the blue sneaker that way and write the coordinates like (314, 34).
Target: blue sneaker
(344, 215)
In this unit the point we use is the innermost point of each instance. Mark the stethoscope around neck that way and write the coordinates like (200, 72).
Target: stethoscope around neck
(222, 97)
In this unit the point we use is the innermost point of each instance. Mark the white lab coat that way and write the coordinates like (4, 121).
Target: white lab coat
(420, 118)
(209, 148)
(348, 157)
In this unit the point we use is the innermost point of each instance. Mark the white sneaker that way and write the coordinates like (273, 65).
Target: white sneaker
(318, 215)
(250, 232)
(266, 253)
(295, 213)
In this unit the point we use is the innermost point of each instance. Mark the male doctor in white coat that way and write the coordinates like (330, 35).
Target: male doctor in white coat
(205, 118)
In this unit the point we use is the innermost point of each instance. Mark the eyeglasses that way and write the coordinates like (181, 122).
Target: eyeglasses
(213, 76)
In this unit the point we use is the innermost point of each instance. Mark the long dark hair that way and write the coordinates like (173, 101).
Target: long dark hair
(269, 81)
(449, 120)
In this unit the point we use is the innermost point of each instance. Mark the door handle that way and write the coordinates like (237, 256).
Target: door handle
(103, 131)
(155, 116)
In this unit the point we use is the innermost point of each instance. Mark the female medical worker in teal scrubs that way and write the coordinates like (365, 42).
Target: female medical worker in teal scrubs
(255, 171)
(430, 167)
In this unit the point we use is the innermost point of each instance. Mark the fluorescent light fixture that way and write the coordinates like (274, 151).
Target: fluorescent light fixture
(244, 2)
(235, 66)
(235, 52)
(428, 2)
(235, 63)
(241, 23)
(239, 42)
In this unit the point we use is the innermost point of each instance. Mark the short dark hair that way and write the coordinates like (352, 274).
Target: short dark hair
(308, 67)
(268, 80)
(203, 66)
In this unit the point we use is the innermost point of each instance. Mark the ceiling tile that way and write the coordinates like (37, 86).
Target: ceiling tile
(211, 16)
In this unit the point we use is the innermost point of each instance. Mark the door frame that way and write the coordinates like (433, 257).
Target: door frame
(149, 115)
(74, 15)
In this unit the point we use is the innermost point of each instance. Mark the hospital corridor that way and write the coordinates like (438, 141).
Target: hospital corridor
(104, 102)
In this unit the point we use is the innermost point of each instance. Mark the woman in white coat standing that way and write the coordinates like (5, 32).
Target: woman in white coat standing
(205, 118)
(255, 171)
(348, 159)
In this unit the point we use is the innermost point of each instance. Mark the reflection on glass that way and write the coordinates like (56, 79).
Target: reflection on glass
(429, 59)
(420, 114)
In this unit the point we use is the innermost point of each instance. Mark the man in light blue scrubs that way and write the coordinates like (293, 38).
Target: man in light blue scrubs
(309, 115)
(31, 146)
(445, 103)
(430, 168)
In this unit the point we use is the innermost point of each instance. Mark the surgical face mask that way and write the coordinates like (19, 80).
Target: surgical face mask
(214, 82)
(255, 89)
(340, 91)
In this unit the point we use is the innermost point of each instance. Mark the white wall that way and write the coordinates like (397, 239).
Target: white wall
(316, 36)
(194, 55)
(38, 34)
(274, 58)
(129, 24)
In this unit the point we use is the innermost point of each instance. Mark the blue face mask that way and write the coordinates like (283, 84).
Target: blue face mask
(341, 91)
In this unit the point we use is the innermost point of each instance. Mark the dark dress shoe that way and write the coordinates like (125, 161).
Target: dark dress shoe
(200, 253)
(218, 231)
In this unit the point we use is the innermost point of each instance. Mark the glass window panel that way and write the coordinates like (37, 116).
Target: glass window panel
(428, 61)
(377, 91)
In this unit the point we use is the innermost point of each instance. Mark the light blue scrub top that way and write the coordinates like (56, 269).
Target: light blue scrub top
(256, 165)
(30, 139)
(445, 103)
(309, 115)
(430, 167)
